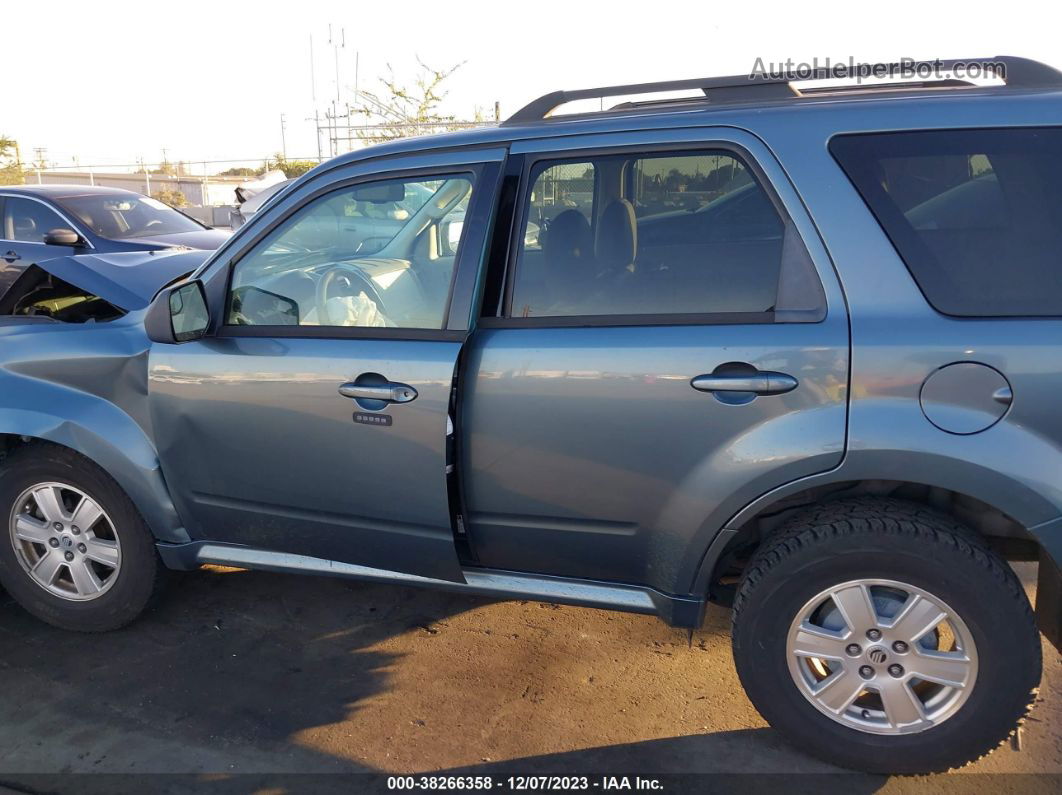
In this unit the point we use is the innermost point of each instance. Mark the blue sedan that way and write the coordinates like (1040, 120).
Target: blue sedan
(40, 222)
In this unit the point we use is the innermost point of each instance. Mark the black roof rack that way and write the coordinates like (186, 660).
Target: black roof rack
(1016, 72)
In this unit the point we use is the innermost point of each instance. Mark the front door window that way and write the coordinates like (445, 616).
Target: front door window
(378, 254)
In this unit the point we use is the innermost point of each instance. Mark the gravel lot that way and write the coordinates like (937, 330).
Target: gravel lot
(253, 673)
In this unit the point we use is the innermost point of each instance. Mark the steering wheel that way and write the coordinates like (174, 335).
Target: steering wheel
(324, 287)
(153, 222)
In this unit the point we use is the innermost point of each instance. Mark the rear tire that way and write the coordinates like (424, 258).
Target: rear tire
(88, 579)
(892, 566)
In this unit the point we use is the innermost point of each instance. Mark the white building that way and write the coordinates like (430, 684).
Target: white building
(199, 191)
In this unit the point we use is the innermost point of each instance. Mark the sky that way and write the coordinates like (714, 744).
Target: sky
(113, 82)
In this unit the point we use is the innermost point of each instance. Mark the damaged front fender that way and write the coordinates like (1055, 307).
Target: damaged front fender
(84, 386)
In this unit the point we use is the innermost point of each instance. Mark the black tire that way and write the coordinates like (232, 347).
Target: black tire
(139, 575)
(887, 539)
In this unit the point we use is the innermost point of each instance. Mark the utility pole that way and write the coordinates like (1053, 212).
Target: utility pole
(357, 68)
(317, 130)
(313, 96)
(147, 175)
(336, 46)
(283, 139)
(313, 79)
(42, 161)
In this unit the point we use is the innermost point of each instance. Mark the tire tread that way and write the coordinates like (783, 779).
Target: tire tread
(874, 516)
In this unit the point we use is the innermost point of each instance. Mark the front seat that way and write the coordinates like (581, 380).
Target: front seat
(615, 250)
(617, 239)
(25, 228)
(567, 270)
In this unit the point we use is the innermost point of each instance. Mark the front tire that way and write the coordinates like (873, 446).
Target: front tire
(74, 551)
(884, 637)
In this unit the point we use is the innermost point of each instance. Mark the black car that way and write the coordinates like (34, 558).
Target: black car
(40, 222)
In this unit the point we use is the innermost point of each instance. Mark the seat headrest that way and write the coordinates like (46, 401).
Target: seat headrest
(568, 237)
(617, 236)
(25, 225)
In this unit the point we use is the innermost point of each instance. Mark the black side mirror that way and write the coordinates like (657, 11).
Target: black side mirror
(179, 314)
(63, 237)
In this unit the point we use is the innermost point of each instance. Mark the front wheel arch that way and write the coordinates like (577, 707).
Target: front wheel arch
(126, 456)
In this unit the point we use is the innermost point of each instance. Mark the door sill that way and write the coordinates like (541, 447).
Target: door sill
(675, 610)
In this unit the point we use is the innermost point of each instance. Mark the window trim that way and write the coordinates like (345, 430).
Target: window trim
(3, 212)
(623, 321)
(677, 148)
(483, 190)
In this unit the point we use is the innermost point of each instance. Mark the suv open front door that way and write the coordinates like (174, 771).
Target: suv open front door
(314, 419)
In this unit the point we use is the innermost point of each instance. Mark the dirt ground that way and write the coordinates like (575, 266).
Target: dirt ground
(240, 672)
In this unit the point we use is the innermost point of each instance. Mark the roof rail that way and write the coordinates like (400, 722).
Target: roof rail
(1019, 73)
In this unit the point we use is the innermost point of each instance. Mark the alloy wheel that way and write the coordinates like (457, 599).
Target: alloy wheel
(65, 541)
(882, 656)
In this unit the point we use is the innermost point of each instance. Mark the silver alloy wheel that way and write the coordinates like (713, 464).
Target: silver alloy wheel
(882, 656)
(65, 541)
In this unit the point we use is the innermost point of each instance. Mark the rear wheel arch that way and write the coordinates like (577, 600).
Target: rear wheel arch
(738, 541)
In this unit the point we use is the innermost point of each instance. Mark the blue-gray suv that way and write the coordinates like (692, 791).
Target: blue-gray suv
(790, 349)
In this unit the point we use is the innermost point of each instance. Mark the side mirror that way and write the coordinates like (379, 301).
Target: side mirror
(63, 237)
(451, 236)
(179, 314)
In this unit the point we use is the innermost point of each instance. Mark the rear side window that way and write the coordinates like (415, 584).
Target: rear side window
(28, 221)
(976, 215)
(648, 237)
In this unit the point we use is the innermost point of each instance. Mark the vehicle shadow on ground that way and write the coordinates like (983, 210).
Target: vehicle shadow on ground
(231, 666)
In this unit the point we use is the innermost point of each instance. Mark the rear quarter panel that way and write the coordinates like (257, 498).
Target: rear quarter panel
(898, 339)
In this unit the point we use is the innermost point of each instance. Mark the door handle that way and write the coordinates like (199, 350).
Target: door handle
(11, 256)
(388, 392)
(763, 382)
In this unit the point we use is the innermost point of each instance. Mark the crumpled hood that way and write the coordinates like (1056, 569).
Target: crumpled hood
(128, 279)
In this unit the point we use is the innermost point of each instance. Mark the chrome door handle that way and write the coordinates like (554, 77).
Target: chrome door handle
(764, 382)
(389, 393)
(11, 256)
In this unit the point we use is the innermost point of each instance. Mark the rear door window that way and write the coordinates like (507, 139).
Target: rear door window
(28, 221)
(659, 238)
(976, 215)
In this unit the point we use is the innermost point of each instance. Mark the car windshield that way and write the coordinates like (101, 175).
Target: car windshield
(128, 216)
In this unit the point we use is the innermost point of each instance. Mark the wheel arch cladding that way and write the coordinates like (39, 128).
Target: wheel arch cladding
(100, 427)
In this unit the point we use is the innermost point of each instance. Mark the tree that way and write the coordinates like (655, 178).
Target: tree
(241, 171)
(11, 172)
(400, 112)
(174, 198)
(291, 168)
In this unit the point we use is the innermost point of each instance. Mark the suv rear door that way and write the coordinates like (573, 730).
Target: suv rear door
(314, 419)
(611, 422)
